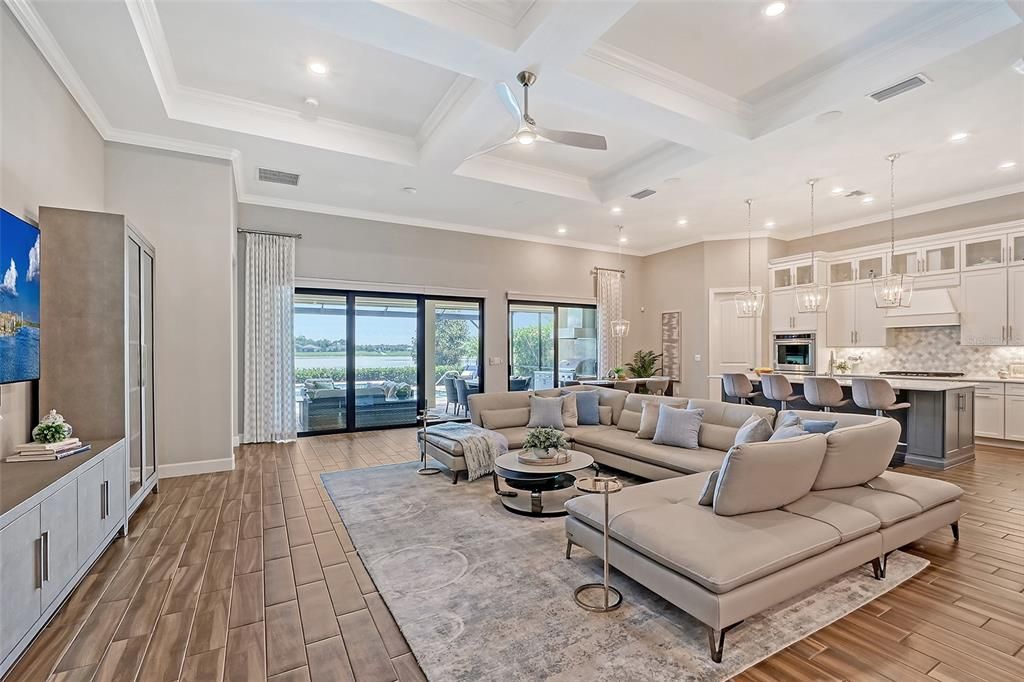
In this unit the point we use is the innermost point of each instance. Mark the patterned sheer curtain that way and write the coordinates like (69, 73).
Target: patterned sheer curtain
(269, 342)
(609, 307)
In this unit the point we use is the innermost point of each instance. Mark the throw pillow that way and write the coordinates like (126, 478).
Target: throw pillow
(707, 495)
(788, 432)
(649, 418)
(588, 408)
(818, 425)
(605, 412)
(505, 419)
(755, 430)
(761, 476)
(323, 383)
(546, 412)
(787, 419)
(678, 427)
(629, 420)
(570, 416)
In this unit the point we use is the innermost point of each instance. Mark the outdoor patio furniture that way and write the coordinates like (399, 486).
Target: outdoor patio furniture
(519, 383)
(463, 392)
(451, 396)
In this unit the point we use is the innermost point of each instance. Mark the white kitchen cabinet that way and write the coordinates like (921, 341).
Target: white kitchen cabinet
(1014, 415)
(796, 274)
(983, 314)
(938, 259)
(785, 317)
(852, 319)
(1015, 245)
(989, 405)
(987, 252)
(1015, 306)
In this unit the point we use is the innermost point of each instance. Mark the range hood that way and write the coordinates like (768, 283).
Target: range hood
(928, 308)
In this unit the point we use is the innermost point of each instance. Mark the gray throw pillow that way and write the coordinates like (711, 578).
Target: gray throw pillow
(546, 412)
(788, 432)
(707, 496)
(587, 408)
(818, 425)
(678, 427)
(787, 419)
(755, 430)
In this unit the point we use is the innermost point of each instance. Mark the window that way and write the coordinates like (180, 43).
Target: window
(551, 344)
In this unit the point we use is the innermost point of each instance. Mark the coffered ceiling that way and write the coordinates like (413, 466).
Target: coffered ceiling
(705, 102)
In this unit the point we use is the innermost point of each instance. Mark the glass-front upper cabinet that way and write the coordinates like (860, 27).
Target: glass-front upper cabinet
(984, 253)
(869, 267)
(785, 276)
(1016, 247)
(804, 274)
(782, 278)
(927, 260)
(842, 272)
(859, 269)
(905, 263)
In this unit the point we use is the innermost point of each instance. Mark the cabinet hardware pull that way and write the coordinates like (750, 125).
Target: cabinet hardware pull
(42, 560)
(44, 540)
(103, 500)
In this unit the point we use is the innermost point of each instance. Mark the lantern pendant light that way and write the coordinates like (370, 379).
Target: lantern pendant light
(749, 303)
(895, 289)
(812, 298)
(619, 327)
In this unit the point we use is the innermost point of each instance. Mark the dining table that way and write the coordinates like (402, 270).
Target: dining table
(640, 382)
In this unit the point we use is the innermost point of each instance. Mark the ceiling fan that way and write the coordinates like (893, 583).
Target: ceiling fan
(528, 131)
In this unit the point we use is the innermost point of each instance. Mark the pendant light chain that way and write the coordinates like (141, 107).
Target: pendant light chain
(749, 246)
(811, 183)
(892, 202)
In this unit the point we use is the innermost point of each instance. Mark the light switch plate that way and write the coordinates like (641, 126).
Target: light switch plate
(696, 358)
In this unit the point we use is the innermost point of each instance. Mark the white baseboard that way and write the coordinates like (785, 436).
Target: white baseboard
(205, 466)
(236, 440)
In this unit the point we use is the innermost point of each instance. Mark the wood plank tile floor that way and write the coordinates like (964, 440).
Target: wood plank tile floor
(250, 575)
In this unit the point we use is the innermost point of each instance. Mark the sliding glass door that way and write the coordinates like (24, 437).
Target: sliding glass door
(550, 344)
(375, 360)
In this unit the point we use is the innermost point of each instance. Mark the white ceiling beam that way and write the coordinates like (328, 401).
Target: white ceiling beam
(650, 171)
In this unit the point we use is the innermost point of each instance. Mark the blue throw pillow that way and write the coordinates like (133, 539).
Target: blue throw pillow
(818, 425)
(787, 419)
(587, 403)
(788, 432)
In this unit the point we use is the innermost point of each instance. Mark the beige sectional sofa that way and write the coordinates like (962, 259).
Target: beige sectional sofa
(613, 443)
(722, 568)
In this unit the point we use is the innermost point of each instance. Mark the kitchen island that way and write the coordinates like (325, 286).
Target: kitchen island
(938, 428)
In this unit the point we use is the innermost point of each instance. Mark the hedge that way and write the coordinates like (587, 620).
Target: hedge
(399, 374)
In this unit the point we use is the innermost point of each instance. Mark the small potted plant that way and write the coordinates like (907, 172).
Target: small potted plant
(842, 367)
(52, 429)
(619, 373)
(546, 443)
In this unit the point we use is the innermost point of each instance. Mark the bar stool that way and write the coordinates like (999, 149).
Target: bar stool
(739, 386)
(777, 387)
(657, 386)
(824, 392)
(877, 395)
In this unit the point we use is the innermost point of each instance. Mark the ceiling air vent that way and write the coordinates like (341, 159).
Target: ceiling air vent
(855, 193)
(909, 84)
(643, 194)
(280, 177)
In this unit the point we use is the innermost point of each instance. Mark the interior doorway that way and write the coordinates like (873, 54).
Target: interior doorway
(734, 343)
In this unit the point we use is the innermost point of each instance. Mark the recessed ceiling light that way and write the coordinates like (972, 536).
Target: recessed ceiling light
(769, 224)
(959, 137)
(681, 222)
(616, 209)
(409, 190)
(1007, 165)
(623, 240)
(319, 68)
(312, 102)
(774, 9)
(838, 190)
(867, 200)
(562, 229)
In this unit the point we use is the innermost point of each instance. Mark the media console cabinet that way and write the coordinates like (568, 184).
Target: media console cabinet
(56, 519)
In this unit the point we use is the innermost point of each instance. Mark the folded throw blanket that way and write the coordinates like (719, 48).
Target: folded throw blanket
(480, 446)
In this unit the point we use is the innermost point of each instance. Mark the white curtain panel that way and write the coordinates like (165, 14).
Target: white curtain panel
(269, 342)
(609, 307)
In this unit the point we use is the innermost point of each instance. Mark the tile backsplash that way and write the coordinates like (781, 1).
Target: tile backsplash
(932, 349)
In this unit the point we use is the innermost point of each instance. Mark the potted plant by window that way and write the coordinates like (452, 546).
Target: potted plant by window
(645, 364)
(545, 443)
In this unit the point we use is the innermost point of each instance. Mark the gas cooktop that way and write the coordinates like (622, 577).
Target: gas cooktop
(900, 373)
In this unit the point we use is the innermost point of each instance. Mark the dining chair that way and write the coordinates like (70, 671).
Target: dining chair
(657, 386)
(628, 386)
(462, 395)
(451, 396)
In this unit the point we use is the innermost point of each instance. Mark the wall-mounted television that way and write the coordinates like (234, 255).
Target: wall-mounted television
(19, 299)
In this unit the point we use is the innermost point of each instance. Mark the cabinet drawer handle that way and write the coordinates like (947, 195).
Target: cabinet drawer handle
(103, 500)
(44, 543)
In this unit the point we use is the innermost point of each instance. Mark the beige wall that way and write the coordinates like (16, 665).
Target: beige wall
(185, 206)
(359, 250)
(974, 214)
(50, 155)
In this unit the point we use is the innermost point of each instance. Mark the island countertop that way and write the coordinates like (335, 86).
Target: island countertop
(903, 384)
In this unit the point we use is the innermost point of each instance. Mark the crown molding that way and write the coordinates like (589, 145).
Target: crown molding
(459, 87)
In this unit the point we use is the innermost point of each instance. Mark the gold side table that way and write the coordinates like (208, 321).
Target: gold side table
(602, 485)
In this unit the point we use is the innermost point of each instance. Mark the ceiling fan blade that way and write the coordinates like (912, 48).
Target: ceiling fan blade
(509, 100)
(486, 150)
(574, 139)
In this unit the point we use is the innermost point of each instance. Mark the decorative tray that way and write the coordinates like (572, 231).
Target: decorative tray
(526, 457)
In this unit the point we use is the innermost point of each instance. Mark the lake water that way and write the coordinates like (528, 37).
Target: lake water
(330, 361)
(19, 355)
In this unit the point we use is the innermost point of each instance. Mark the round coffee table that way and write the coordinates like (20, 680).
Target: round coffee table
(537, 479)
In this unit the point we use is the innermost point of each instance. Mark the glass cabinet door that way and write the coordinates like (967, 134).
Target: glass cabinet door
(984, 253)
(841, 272)
(782, 278)
(870, 267)
(1017, 248)
(905, 263)
(939, 259)
(804, 274)
(134, 257)
(148, 412)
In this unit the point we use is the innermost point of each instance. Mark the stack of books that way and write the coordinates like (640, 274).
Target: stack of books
(41, 452)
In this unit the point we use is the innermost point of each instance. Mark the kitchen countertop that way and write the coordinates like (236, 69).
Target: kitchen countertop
(907, 384)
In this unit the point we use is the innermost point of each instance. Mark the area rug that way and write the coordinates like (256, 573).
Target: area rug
(484, 594)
